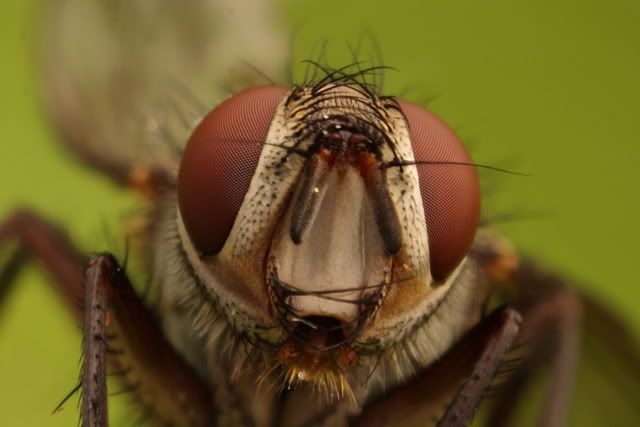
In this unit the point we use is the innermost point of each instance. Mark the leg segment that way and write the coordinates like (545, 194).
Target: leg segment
(550, 335)
(117, 327)
(37, 239)
(551, 332)
(460, 373)
(466, 401)
(94, 347)
(167, 388)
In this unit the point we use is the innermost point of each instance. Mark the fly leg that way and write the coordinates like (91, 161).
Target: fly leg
(448, 391)
(119, 330)
(550, 335)
(165, 385)
(94, 346)
(39, 240)
(461, 410)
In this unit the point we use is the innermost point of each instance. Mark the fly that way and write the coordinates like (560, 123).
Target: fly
(316, 247)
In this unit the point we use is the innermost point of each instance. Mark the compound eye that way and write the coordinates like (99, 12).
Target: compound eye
(450, 193)
(219, 162)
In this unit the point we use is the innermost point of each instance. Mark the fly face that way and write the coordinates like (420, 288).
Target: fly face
(325, 242)
(322, 234)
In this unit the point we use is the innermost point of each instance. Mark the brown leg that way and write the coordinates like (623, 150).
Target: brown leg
(466, 401)
(163, 383)
(94, 347)
(39, 240)
(550, 337)
(165, 386)
(551, 332)
(562, 321)
(472, 362)
(550, 329)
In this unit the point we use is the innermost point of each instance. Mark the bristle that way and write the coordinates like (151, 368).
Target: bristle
(329, 385)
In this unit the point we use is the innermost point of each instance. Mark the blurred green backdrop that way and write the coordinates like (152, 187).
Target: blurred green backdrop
(545, 87)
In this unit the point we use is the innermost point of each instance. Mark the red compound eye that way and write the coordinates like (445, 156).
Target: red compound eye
(450, 193)
(219, 162)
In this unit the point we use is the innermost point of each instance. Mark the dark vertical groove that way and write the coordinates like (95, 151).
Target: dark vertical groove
(309, 195)
(384, 211)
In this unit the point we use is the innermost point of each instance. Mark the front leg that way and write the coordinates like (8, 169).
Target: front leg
(117, 327)
(165, 385)
(550, 338)
(449, 391)
(94, 344)
(464, 372)
(497, 343)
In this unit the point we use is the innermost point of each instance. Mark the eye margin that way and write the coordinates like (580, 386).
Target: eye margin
(450, 193)
(219, 162)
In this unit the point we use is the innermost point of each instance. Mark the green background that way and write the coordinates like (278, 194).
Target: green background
(545, 87)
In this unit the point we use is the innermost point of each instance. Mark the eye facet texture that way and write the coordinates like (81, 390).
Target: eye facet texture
(450, 192)
(219, 162)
